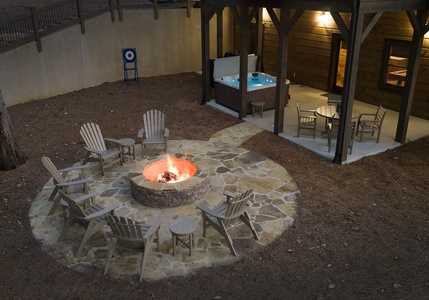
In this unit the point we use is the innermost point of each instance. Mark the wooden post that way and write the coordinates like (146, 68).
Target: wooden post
(219, 29)
(155, 8)
(205, 48)
(281, 70)
(35, 19)
(120, 11)
(10, 155)
(349, 87)
(410, 82)
(81, 16)
(112, 10)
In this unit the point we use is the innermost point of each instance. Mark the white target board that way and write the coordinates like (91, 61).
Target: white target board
(129, 55)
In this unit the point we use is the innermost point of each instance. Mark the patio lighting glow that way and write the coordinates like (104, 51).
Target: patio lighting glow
(323, 17)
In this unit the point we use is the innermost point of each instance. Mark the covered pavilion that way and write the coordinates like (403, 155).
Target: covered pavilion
(284, 14)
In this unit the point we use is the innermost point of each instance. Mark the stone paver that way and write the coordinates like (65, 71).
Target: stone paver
(230, 168)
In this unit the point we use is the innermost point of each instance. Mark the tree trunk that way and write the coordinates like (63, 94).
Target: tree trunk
(10, 156)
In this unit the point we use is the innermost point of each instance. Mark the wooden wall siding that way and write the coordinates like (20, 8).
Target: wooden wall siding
(309, 58)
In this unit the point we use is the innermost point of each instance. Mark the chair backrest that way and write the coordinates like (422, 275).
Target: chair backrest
(92, 136)
(298, 109)
(131, 234)
(333, 128)
(236, 207)
(153, 121)
(49, 165)
(379, 117)
(334, 99)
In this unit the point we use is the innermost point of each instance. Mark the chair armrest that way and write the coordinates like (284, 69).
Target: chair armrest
(112, 140)
(93, 150)
(74, 182)
(154, 226)
(366, 115)
(103, 211)
(207, 210)
(308, 110)
(85, 197)
(140, 133)
(73, 168)
(229, 194)
(166, 132)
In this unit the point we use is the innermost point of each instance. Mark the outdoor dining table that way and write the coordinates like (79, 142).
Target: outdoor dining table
(330, 112)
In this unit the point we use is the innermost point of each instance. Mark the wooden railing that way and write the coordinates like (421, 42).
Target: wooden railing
(40, 22)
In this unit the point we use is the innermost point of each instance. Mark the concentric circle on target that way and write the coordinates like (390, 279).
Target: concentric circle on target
(129, 55)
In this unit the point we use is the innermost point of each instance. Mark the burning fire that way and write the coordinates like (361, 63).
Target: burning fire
(176, 171)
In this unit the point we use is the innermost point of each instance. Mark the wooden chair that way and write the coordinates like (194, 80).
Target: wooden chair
(129, 234)
(371, 123)
(306, 119)
(80, 183)
(84, 211)
(332, 133)
(153, 131)
(227, 214)
(334, 99)
(96, 149)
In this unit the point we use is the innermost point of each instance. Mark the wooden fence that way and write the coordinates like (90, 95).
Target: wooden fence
(40, 22)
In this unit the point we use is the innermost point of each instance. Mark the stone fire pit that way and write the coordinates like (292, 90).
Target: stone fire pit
(166, 195)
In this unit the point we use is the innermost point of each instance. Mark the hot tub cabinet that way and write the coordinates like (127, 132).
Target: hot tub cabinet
(227, 92)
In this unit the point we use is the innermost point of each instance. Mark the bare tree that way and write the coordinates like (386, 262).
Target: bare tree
(10, 155)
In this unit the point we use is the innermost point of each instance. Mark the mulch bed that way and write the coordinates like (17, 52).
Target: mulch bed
(361, 231)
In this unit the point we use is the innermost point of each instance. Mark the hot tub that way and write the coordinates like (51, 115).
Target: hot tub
(260, 87)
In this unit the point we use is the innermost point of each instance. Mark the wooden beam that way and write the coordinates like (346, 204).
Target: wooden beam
(411, 78)
(349, 86)
(414, 22)
(282, 69)
(205, 48)
(341, 25)
(372, 21)
(219, 31)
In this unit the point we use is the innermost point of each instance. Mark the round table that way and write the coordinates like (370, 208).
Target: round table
(330, 112)
(129, 144)
(183, 227)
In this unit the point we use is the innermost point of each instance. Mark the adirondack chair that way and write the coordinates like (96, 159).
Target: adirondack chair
(371, 123)
(153, 131)
(227, 214)
(131, 235)
(96, 149)
(85, 211)
(61, 183)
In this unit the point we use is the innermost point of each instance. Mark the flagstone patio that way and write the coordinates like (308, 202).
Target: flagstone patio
(230, 167)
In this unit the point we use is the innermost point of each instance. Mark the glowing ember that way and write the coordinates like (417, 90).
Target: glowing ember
(170, 170)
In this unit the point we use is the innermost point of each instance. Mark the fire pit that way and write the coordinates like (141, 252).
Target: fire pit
(168, 182)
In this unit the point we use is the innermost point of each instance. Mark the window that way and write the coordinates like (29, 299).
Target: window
(394, 64)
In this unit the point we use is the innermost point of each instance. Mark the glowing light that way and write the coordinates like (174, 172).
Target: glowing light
(265, 15)
(324, 17)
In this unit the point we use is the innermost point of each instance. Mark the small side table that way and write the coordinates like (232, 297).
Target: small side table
(183, 227)
(127, 148)
(257, 107)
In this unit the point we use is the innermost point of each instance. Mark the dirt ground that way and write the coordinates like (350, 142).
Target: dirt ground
(362, 230)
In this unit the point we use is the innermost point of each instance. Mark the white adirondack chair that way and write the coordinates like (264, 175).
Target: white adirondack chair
(59, 177)
(227, 214)
(153, 131)
(131, 235)
(96, 149)
(84, 210)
